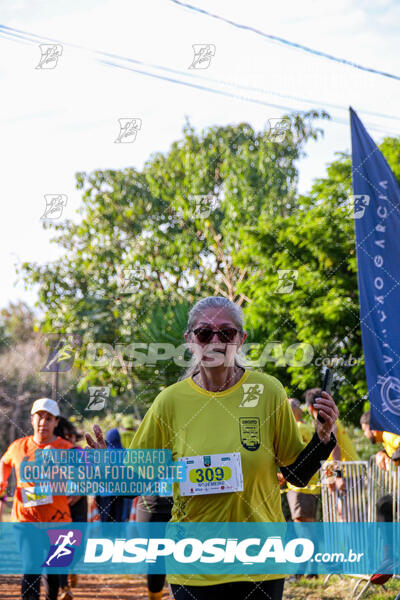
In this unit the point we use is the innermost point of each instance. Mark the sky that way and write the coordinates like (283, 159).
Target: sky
(57, 122)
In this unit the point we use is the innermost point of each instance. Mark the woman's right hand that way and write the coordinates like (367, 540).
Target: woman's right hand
(100, 442)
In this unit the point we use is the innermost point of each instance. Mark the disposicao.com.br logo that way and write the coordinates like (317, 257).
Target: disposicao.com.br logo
(188, 547)
(190, 550)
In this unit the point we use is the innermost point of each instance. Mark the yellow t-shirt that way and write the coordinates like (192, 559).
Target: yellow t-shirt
(126, 437)
(252, 417)
(314, 486)
(390, 442)
(347, 448)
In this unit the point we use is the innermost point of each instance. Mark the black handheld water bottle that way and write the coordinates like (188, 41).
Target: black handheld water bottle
(326, 387)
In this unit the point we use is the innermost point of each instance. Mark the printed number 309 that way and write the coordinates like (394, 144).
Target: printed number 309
(210, 474)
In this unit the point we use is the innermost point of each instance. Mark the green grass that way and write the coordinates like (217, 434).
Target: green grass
(337, 588)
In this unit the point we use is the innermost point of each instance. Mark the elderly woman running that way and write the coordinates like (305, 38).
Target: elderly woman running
(220, 406)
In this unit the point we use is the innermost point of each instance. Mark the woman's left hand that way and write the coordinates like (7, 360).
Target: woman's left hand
(328, 410)
(100, 442)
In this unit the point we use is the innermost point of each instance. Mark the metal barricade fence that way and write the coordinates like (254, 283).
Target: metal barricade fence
(366, 483)
(383, 483)
(353, 505)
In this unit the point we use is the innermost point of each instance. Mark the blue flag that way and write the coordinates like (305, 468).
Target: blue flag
(377, 232)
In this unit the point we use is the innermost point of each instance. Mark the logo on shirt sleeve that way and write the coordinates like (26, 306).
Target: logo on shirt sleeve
(250, 432)
(251, 394)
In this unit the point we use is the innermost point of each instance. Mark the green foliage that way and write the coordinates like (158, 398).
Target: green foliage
(23, 381)
(322, 310)
(365, 448)
(147, 221)
(17, 322)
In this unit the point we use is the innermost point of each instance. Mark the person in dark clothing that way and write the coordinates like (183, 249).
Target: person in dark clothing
(78, 505)
(384, 505)
(112, 508)
(154, 509)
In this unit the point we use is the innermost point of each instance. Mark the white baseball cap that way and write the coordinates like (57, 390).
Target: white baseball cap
(45, 404)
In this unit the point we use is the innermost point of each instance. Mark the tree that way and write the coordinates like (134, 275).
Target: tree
(17, 323)
(315, 244)
(23, 381)
(152, 224)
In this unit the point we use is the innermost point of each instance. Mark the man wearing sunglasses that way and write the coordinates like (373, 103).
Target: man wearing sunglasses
(221, 410)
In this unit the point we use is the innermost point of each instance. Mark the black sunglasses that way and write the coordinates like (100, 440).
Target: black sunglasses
(205, 334)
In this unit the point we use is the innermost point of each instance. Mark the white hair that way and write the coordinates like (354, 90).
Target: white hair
(223, 304)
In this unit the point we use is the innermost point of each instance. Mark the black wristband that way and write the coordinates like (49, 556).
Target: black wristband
(308, 461)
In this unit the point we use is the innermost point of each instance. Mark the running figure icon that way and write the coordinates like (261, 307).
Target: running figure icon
(62, 550)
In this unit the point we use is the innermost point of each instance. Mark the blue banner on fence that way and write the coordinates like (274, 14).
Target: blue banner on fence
(199, 548)
(377, 228)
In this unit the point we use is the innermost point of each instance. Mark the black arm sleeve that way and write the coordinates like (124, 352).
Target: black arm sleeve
(308, 461)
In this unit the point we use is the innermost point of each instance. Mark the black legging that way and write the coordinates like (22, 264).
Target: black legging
(78, 515)
(30, 544)
(154, 509)
(30, 586)
(111, 508)
(237, 590)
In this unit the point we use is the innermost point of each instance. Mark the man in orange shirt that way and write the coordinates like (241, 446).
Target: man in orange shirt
(29, 506)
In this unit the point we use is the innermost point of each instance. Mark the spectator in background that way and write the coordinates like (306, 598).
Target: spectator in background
(390, 442)
(112, 508)
(383, 459)
(28, 505)
(78, 505)
(154, 509)
(127, 430)
(303, 502)
(343, 451)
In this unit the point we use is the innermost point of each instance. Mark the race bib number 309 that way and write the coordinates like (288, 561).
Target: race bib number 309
(212, 474)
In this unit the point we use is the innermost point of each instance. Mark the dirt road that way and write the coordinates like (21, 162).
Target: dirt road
(100, 587)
